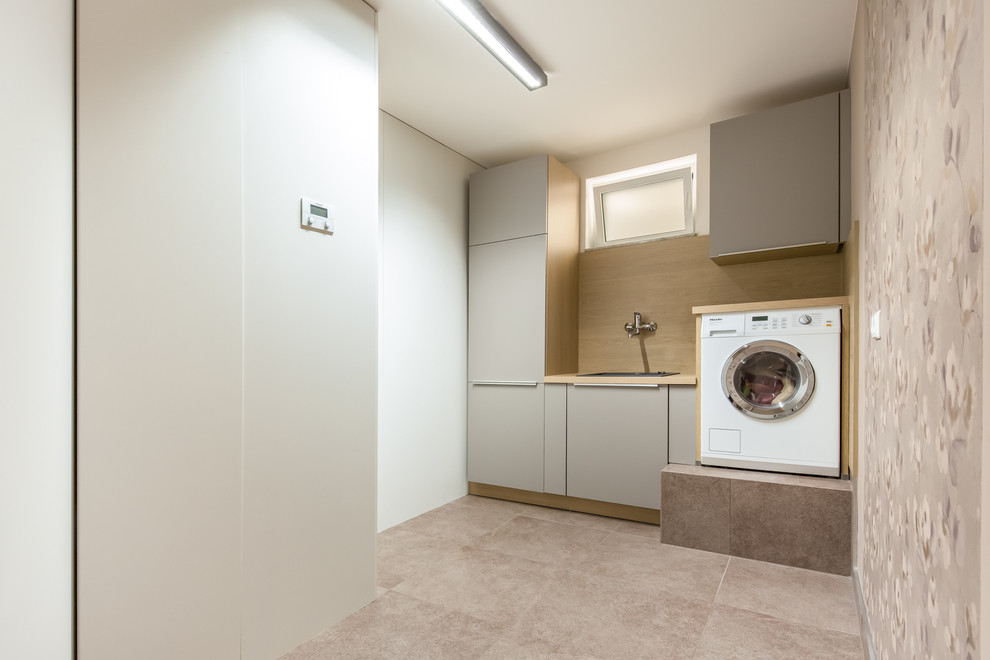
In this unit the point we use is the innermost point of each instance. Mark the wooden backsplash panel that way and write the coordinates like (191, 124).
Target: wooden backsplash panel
(663, 280)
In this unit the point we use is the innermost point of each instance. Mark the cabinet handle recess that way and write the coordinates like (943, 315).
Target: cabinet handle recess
(781, 247)
(506, 383)
(616, 384)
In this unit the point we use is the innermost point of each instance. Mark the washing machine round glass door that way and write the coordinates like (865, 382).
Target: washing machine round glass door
(768, 379)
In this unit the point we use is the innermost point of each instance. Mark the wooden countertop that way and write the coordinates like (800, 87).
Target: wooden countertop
(679, 379)
(836, 301)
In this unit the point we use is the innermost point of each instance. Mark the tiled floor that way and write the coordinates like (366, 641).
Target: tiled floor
(482, 578)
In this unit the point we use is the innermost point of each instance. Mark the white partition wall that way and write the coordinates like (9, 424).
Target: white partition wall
(227, 361)
(422, 396)
(310, 320)
(159, 330)
(36, 330)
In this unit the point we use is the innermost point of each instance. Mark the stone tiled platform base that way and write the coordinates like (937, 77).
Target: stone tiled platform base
(784, 519)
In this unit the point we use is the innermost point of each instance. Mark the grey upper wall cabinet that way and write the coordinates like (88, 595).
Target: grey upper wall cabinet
(780, 181)
(509, 201)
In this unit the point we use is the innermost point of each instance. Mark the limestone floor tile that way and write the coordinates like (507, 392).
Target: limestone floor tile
(515, 649)
(639, 529)
(543, 540)
(403, 554)
(794, 594)
(574, 518)
(733, 634)
(488, 585)
(397, 626)
(691, 573)
(492, 504)
(457, 522)
(586, 615)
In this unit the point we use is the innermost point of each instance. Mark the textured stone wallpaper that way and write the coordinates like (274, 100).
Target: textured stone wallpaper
(923, 253)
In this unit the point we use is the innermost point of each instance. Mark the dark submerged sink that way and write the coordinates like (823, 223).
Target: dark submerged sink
(640, 374)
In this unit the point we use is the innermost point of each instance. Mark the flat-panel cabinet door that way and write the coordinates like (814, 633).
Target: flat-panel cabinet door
(507, 310)
(505, 435)
(555, 438)
(775, 178)
(509, 201)
(616, 443)
(682, 444)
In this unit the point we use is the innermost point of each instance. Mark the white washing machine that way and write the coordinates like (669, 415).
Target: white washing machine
(770, 390)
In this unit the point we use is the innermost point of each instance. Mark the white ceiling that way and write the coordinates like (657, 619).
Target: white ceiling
(620, 71)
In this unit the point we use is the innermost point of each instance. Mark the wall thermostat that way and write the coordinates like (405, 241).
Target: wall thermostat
(316, 216)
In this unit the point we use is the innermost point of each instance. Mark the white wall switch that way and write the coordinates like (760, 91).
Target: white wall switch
(316, 216)
(875, 325)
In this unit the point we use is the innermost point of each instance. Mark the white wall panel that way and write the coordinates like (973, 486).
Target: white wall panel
(159, 330)
(310, 319)
(422, 390)
(227, 358)
(36, 329)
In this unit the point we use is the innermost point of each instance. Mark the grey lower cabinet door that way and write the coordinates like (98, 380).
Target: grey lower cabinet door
(505, 434)
(616, 443)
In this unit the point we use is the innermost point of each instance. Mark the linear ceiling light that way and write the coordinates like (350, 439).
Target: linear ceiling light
(476, 20)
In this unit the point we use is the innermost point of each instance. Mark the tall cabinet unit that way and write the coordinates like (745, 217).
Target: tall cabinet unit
(522, 313)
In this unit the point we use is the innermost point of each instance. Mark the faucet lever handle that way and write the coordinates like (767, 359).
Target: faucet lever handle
(637, 325)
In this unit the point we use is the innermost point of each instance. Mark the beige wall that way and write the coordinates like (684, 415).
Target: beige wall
(36, 329)
(984, 628)
(422, 455)
(922, 422)
(227, 362)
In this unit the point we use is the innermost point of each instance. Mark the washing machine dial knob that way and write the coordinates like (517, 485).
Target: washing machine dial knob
(804, 319)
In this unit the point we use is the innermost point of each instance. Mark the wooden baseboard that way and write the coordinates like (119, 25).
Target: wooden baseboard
(864, 618)
(567, 503)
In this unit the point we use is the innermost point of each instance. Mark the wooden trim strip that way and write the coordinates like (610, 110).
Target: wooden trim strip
(563, 199)
(697, 397)
(567, 503)
(834, 301)
(679, 379)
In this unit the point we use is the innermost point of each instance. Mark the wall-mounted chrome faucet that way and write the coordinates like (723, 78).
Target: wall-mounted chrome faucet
(637, 325)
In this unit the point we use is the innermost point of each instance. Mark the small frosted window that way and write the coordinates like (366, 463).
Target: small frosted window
(644, 204)
(653, 208)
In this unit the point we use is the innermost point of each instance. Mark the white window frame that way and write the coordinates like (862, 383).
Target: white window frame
(685, 168)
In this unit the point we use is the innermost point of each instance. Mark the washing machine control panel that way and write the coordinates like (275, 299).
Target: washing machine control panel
(793, 321)
(723, 325)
